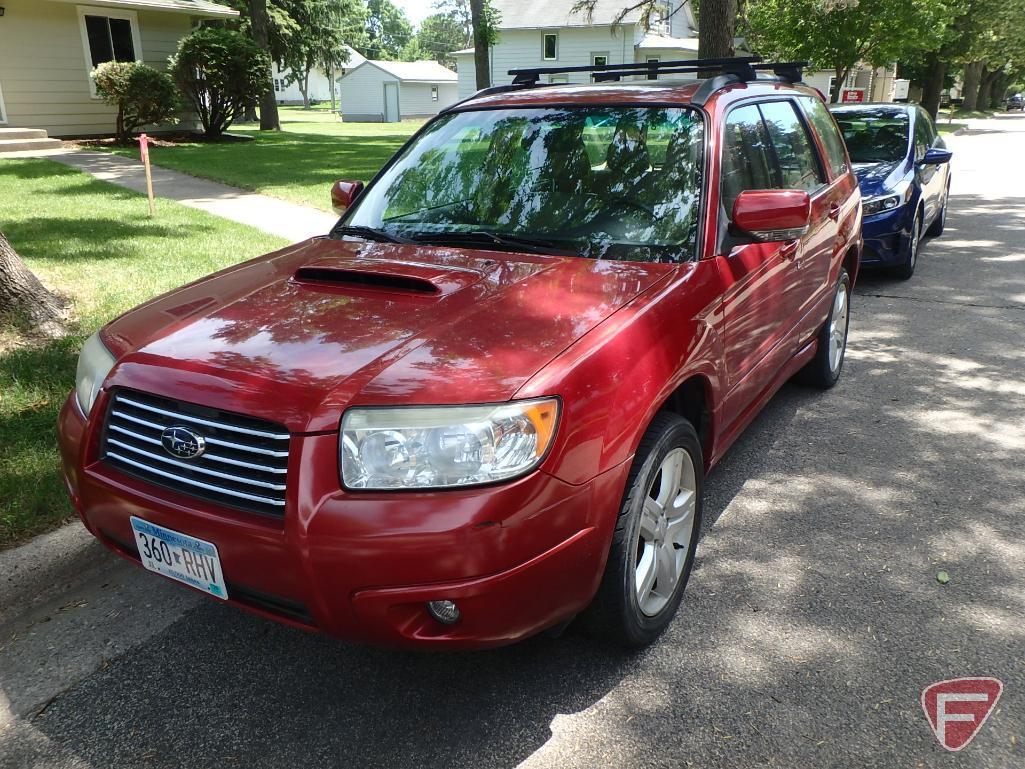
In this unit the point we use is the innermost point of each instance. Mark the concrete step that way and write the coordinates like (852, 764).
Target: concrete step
(6, 134)
(28, 145)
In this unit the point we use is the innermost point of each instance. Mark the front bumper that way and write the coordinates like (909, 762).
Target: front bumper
(516, 557)
(886, 237)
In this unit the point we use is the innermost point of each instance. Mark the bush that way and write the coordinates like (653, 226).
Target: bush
(219, 71)
(142, 95)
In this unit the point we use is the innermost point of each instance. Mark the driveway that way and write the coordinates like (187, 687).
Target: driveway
(812, 622)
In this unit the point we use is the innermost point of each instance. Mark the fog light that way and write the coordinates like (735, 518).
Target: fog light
(446, 612)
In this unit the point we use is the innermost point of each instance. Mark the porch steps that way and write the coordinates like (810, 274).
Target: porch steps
(26, 140)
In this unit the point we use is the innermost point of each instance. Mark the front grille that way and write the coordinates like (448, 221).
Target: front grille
(243, 466)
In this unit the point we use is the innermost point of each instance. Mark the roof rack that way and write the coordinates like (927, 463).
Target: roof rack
(742, 68)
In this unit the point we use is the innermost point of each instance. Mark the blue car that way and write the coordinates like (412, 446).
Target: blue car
(903, 168)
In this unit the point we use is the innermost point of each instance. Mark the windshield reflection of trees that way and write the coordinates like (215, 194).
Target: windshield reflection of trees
(617, 183)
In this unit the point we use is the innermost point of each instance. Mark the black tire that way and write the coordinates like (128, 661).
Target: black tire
(616, 612)
(936, 228)
(823, 371)
(906, 268)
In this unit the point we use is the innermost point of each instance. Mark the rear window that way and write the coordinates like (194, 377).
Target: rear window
(826, 128)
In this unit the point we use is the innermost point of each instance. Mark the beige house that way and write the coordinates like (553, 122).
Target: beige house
(49, 47)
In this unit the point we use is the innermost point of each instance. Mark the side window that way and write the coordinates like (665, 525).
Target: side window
(746, 155)
(826, 128)
(922, 138)
(796, 157)
(934, 138)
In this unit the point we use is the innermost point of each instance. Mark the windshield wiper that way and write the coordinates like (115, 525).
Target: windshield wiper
(516, 242)
(369, 233)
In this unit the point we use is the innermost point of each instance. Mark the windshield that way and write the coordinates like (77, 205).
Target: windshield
(603, 182)
(875, 136)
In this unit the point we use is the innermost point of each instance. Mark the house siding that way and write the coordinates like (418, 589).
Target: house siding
(362, 94)
(415, 98)
(43, 66)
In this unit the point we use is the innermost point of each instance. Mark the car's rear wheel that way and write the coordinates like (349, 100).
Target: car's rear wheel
(823, 370)
(906, 268)
(936, 228)
(656, 536)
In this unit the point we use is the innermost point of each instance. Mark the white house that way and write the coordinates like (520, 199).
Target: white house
(49, 47)
(320, 80)
(389, 91)
(546, 33)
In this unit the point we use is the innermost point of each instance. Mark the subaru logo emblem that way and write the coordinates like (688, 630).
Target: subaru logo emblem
(182, 443)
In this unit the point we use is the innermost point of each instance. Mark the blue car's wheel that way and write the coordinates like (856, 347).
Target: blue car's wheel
(909, 255)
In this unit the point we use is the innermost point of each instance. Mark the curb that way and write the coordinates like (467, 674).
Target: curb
(51, 564)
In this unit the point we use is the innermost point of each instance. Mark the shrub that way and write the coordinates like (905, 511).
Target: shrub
(141, 94)
(219, 71)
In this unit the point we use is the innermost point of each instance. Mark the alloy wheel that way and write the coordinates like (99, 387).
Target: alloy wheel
(665, 531)
(838, 328)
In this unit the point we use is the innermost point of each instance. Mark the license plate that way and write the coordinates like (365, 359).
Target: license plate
(179, 556)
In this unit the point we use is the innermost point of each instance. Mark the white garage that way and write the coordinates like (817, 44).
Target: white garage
(389, 91)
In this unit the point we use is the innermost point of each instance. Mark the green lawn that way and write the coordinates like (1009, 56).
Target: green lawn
(96, 244)
(300, 163)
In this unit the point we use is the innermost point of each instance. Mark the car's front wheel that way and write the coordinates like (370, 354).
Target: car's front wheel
(656, 536)
(909, 258)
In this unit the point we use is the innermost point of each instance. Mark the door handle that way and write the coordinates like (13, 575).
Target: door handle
(834, 211)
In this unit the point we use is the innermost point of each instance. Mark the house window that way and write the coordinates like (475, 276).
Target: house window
(550, 46)
(599, 60)
(652, 60)
(661, 18)
(434, 93)
(554, 79)
(110, 39)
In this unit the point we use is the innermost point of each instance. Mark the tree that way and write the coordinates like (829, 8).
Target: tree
(218, 71)
(440, 34)
(24, 298)
(838, 34)
(388, 30)
(319, 39)
(481, 43)
(260, 31)
(142, 95)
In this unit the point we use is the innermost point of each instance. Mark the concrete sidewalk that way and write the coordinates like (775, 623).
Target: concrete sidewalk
(277, 217)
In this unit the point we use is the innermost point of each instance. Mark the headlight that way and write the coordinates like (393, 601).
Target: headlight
(444, 446)
(897, 197)
(94, 363)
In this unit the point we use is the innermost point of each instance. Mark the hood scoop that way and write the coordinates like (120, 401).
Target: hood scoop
(334, 276)
(387, 277)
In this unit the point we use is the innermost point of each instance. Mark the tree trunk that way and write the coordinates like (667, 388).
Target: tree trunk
(1000, 84)
(933, 90)
(985, 88)
(24, 297)
(331, 79)
(250, 116)
(304, 88)
(481, 52)
(717, 25)
(269, 120)
(970, 92)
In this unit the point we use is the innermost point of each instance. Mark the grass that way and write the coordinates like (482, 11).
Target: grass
(96, 244)
(299, 164)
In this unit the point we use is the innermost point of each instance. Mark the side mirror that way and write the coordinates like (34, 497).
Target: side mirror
(344, 194)
(771, 216)
(937, 156)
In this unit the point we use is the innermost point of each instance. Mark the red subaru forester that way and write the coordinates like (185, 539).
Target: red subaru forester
(486, 402)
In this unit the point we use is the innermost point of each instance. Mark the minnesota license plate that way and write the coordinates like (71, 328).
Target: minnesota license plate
(179, 556)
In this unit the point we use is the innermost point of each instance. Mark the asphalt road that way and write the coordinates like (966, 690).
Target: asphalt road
(811, 624)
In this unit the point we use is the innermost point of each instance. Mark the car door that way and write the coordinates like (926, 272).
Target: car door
(939, 179)
(929, 177)
(761, 297)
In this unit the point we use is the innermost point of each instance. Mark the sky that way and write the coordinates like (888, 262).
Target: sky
(416, 10)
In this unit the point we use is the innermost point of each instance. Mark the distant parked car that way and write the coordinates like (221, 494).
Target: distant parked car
(1016, 102)
(903, 168)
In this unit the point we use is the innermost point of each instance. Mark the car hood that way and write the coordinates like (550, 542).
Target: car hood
(297, 335)
(875, 178)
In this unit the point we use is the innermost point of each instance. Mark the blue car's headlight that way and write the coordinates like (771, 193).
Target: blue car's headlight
(888, 201)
